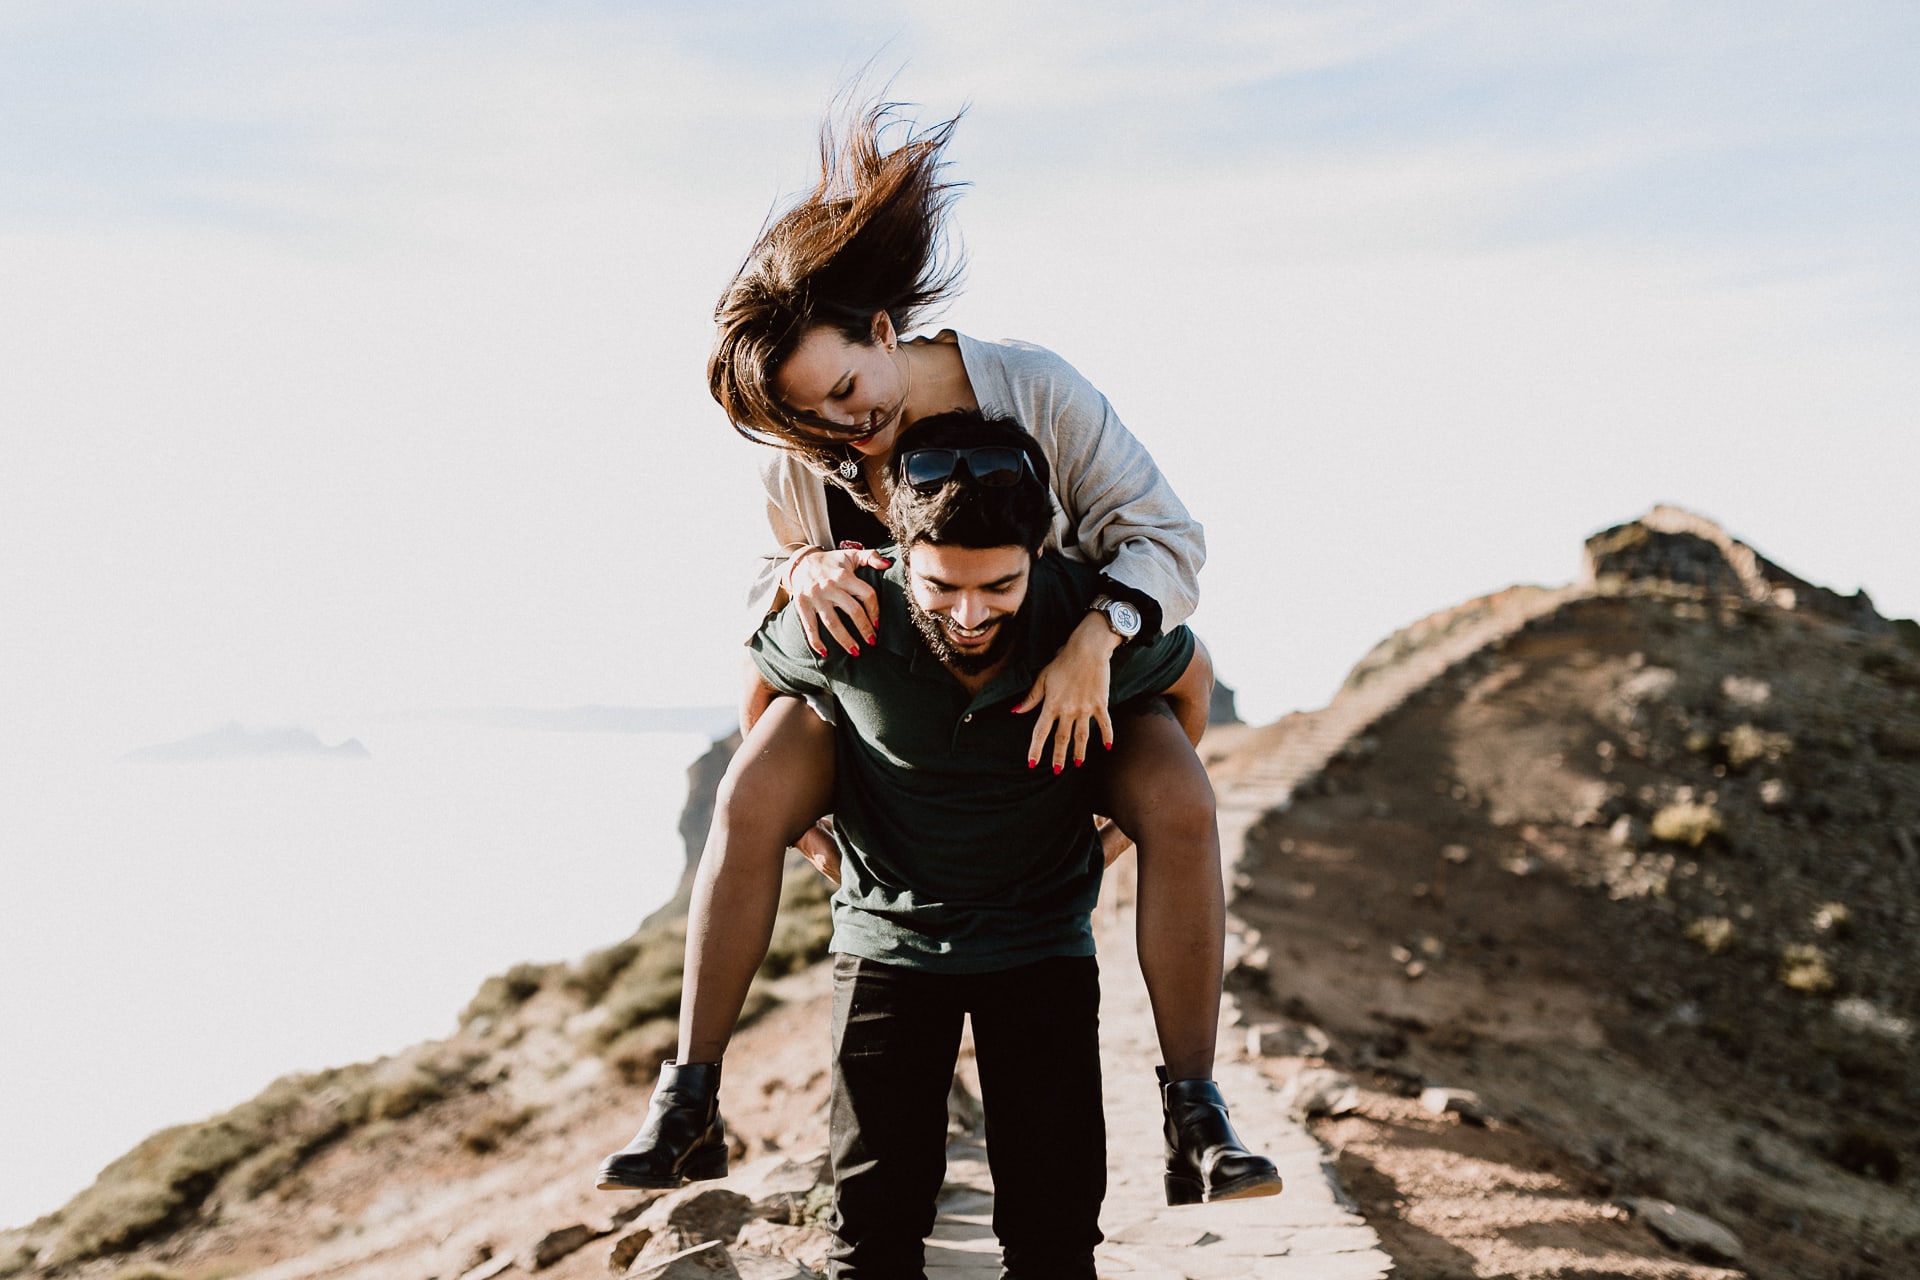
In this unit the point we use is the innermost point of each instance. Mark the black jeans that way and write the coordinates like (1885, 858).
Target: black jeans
(896, 1033)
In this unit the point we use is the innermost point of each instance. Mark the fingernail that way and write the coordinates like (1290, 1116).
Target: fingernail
(1109, 746)
(873, 640)
(854, 649)
(1079, 762)
(1059, 769)
(1032, 764)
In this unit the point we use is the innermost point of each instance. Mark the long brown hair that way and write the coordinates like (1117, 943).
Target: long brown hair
(869, 237)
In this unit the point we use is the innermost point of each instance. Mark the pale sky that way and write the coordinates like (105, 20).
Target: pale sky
(351, 354)
(354, 351)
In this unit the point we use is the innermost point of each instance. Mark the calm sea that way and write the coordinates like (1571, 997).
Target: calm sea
(177, 935)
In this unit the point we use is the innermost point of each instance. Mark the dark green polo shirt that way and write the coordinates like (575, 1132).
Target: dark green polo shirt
(955, 856)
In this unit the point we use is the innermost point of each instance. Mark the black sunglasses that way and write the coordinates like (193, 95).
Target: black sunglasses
(997, 466)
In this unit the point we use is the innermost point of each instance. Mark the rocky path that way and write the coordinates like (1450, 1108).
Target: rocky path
(1303, 1234)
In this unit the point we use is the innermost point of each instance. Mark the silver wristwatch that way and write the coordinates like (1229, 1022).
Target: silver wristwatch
(1121, 616)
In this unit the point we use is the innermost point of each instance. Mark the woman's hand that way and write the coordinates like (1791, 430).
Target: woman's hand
(828, 595)
(1114, 842)
(1071, 692)
(817, 846)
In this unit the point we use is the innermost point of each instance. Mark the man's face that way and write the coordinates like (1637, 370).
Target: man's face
(963, 601)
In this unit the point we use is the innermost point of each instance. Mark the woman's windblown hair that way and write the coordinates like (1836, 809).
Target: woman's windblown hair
(868, 238)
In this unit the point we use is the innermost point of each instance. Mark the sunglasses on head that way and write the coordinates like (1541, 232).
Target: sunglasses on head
(996, 466)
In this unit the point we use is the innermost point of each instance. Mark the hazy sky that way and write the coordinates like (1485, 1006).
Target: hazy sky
(354, 351)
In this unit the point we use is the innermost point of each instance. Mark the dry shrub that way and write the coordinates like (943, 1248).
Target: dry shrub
(505, 992)
(168, 1176)
(269, 1167)
(1686, 822)
(591, 978)
(636, 1056)
(401, 1088)
(244, 1151)
(1714, 933)
(1746, 745)
(16, 1256)
(649, 986)
(115, 1213)
(1804, 967)
(1834, 918)
(489, 1131)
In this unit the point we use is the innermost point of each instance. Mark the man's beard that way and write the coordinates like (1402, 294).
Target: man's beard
(969, 662)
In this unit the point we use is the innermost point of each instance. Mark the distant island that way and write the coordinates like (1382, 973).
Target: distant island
(234, 741)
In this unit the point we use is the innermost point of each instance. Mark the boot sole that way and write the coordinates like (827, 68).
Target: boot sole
(1185, 1190)
(705, 1167)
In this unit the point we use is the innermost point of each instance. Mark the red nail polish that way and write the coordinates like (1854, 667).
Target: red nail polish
(1031, 764)
(1059, 769)
(854, 649)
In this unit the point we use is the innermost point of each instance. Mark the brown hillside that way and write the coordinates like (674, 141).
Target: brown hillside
(1643, 876)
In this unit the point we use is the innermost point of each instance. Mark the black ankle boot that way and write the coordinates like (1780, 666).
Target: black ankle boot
(683, 1139)
(1205, 1158)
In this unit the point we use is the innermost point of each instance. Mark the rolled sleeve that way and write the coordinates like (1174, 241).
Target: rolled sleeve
(779, 649)
(1141, 670)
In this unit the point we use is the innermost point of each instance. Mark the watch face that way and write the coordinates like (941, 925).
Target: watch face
(1126, 618)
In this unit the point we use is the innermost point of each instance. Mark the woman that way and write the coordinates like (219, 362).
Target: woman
(809, 358)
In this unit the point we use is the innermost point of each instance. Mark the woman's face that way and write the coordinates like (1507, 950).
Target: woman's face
(857, 386)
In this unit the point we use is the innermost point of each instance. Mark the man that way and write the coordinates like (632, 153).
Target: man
(967, 880)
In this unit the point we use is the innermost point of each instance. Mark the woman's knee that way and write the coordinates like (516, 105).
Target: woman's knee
(1179, 808)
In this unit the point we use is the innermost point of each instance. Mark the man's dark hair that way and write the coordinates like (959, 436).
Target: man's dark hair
(963, 512)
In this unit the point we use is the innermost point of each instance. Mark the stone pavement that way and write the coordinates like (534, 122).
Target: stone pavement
(1305, 1233)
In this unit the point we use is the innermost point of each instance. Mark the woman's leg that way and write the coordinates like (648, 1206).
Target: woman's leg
(1159, 794)
(779, 784)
